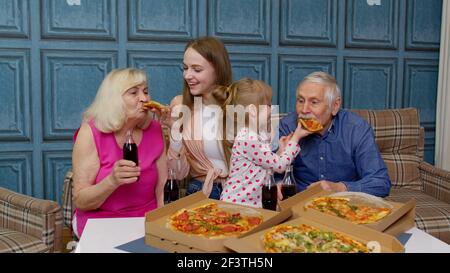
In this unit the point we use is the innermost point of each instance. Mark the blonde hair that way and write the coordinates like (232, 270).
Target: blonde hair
(245, 92)
(108, 108)
(332, 91)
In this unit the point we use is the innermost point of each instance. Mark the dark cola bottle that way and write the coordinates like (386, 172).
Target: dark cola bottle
(288, 186)
(171, 189)
(130, 150)
(269, 193)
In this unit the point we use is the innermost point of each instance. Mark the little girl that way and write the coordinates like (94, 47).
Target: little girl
(251, 156)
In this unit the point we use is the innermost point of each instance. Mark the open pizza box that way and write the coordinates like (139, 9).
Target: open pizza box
(398, 221)
(253, 243)
(158, 233)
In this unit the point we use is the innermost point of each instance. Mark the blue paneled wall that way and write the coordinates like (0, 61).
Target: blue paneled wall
(55, 53)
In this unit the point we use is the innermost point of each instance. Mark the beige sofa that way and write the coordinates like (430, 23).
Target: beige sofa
(401, 142)
(29, 225)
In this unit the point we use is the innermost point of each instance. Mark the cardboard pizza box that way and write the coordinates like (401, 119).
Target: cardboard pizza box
(158, 234)
(253, 243)
(398, 221)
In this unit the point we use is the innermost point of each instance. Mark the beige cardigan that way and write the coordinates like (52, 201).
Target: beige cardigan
(192, 158)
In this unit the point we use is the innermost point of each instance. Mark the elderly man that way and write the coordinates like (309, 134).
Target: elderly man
(341, 157)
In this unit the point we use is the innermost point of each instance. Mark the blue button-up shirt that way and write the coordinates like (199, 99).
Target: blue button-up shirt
(347, 153)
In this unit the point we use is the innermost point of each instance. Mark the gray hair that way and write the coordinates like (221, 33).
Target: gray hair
(332, 91)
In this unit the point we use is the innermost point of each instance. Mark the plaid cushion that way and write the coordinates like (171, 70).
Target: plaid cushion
(403, 170)
(33, 217)
(432, 215)
(397, 133)
(67, 206)
(12, 241)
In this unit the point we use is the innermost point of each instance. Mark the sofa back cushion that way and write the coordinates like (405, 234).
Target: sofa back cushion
(398, 135)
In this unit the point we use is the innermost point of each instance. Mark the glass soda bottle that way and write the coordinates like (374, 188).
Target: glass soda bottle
(171, 189)
(288, 186)
(130, 150)
(269, 193)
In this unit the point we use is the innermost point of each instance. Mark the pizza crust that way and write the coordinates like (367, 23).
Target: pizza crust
(361, 198)
(154, 104)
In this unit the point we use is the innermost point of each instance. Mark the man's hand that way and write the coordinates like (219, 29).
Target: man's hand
(330, 186)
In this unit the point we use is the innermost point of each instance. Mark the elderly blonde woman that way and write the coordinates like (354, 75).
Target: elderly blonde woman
(106, 185)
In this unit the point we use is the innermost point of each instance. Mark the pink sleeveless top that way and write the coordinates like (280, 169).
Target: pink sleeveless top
(131, 200)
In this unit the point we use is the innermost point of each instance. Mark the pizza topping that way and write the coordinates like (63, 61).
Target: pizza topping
(358, 214)
(308, 239)
(254, 220)
(211, 221)
(183, 216)
(311, 125)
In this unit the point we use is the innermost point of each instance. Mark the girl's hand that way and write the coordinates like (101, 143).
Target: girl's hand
(283, 142)
(300, 133)
(164, 115)
(279, 192)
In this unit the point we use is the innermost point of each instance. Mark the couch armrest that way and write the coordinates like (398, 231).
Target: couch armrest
(67, 202)
(35, 217)
(436, 182)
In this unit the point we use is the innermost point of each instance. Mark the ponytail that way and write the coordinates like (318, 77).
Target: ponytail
(224, 95)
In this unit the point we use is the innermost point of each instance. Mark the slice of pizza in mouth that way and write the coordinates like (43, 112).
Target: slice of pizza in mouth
(154, 104)
(312, 125)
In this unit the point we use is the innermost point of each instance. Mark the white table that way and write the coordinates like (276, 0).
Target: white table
(103, 235)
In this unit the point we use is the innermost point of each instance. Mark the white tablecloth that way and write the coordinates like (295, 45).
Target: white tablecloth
(104, 235)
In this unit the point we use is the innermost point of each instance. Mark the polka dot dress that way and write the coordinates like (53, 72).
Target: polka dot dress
(251, 159)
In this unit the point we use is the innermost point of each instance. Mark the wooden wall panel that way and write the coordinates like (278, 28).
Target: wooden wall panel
(55, 53)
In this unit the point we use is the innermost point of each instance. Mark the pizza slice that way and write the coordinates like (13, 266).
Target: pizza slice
(371, 215)
(154, 104)
(311, 125)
